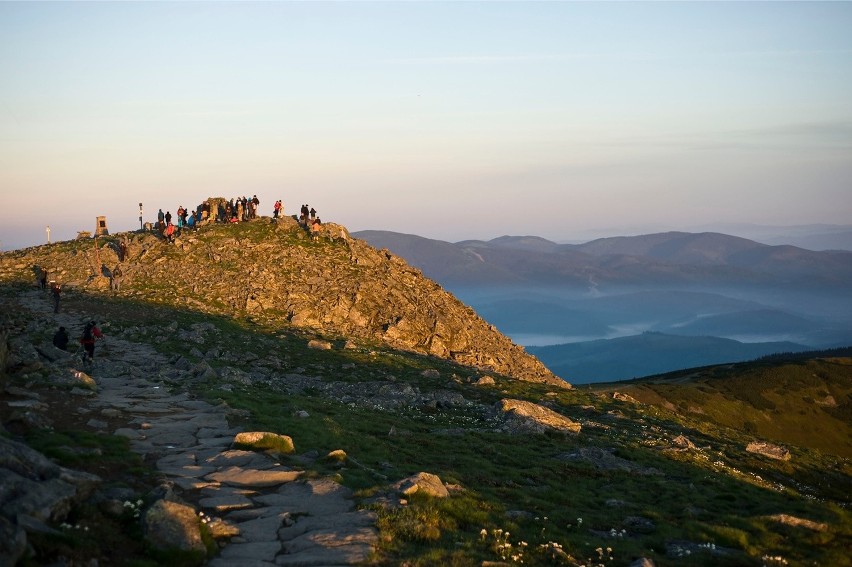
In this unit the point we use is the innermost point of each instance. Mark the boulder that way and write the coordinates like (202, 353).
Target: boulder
(172, 525)
(769, 450)
(485, 381)
(73, 378)
(682, 442)
(624, 398)
(264, 441)
(519, 416)
(422, 483)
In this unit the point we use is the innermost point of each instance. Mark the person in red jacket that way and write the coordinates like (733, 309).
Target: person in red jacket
(90, 334)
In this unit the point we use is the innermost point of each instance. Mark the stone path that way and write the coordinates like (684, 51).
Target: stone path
(280, 518)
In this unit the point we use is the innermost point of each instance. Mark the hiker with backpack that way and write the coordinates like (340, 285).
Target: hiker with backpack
(90, 334)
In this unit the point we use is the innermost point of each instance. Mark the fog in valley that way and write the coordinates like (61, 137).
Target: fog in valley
(670, 328)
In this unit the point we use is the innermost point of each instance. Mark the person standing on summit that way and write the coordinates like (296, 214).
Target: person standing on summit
(255, 202)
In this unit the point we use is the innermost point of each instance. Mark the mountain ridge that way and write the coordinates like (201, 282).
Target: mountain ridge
(676, 257)
(276, 274)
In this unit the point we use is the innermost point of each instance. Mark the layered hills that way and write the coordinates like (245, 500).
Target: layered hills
(649, 353)
(671, 257)
(286, 336)
(705, 297)
(277, 275)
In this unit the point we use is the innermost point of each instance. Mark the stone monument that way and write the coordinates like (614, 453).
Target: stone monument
(101, 227)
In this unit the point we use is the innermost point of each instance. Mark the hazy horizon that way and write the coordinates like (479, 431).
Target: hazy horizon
(450, 120)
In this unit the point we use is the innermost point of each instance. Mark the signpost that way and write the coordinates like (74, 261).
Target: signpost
(47, 229)
(141, 226)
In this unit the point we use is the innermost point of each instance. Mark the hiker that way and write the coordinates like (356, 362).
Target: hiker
(316, 229)
(122, 248)
(56, 290)
(190, 223)
(168, 218)
(161, 220)
(255, 204)
(303, 216)
(42, 279)
(170, 233)
(276, 209)
(60, 339)
(313, 213)
(90, 334)
(115, 278)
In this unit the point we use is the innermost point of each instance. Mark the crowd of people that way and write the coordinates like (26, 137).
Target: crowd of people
(238, 209)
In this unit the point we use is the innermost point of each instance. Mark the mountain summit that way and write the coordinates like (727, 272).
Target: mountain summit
(276, 275)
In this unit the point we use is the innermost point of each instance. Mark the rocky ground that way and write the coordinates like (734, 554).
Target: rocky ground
(210, 489)
(261, 512)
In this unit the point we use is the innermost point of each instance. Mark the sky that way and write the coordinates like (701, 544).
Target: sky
(451, 120)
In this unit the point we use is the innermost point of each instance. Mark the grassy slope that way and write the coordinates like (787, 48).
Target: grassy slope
(806, 403)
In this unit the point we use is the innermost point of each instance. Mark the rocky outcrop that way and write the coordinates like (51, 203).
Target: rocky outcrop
(275, 274)
(519, 416)
(34, 491)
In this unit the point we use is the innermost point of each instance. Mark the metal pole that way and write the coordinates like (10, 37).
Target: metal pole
(47, 229)
(141, 226)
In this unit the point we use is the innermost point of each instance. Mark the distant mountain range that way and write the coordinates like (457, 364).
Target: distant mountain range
(626, 307)
(647, 354)
(664, 258)
(810, 236)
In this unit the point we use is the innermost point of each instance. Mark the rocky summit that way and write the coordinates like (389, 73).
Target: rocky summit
(277, 275)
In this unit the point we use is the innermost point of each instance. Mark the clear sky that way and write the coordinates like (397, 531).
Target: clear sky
(451, 120)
